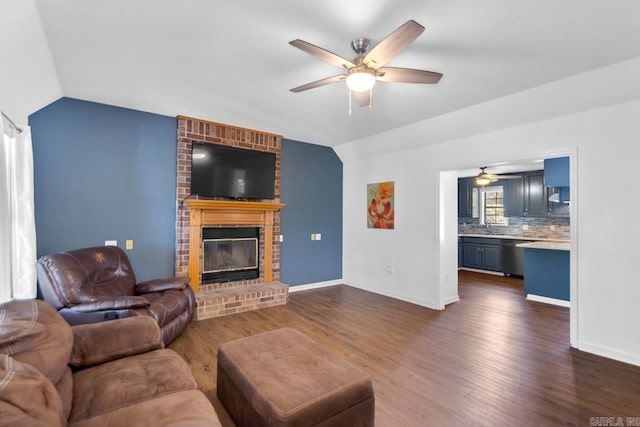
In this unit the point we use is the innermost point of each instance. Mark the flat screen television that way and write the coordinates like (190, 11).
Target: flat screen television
(234, 173)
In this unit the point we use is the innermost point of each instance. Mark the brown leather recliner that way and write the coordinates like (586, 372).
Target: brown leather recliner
(95, 284)
(114, 373)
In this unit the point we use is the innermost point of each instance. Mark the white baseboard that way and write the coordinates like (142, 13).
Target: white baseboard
(423, 303)
(495, 273)
(315, 285)
(451, 300)
(620, 356)
(547, 300)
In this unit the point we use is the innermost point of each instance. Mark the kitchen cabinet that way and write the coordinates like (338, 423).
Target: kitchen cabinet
(472, 255)
(526, 196)
(513, 194)
(547, 270)
(556, 209)
(482, 253)
(460, 253)
(530, 197)
(465, 197)
(556, 172)
(535, 200)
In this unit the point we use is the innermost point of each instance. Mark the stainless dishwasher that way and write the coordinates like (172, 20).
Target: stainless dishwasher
(513, 257)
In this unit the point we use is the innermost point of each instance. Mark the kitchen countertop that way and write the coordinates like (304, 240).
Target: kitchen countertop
(504, 236)
(556, 246)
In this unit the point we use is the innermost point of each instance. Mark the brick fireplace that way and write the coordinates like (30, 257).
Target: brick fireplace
(195, 213)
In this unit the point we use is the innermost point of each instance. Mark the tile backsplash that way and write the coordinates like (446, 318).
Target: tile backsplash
(538, 228)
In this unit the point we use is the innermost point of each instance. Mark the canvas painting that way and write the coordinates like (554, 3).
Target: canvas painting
(380, 212)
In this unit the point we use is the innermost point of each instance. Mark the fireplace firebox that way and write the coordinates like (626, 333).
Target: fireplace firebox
(230, 254)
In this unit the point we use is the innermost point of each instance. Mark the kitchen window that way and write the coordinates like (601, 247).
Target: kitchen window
(492, 206)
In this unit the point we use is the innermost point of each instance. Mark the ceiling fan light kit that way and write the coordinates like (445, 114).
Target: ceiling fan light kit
(483, 178)
(366, 68)
(482, 181)
(360, 80)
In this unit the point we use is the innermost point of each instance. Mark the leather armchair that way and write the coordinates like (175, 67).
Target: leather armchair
(104, 374)
(96, 284)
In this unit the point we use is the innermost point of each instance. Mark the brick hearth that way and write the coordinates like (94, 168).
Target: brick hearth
(220, 299)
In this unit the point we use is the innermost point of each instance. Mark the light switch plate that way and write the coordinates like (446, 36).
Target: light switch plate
(111, 243)
(128, 244)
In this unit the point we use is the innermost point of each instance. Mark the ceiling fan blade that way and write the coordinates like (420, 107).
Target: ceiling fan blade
(508, 176)
(364, 98)
(322, 54)
(393, 44)
(407, 75)
(319, 83)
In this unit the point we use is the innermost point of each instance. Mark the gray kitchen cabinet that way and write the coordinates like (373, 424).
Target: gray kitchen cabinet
(526, 196)
(513, 193)
(482, 253)
(465, 197)
(535, 200)
(556, 209)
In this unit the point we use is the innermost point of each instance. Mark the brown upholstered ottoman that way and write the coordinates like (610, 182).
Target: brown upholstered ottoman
(283, 378)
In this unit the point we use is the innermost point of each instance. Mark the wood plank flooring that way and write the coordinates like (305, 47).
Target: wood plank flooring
(491, 359)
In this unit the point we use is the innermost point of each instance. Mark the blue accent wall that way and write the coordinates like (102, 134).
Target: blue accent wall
(311, 188)
(106, 173)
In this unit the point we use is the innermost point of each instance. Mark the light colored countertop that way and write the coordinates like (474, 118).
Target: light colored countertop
(556, 246)
(504, 236)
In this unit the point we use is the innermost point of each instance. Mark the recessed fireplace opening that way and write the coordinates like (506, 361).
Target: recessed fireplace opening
(230, 254)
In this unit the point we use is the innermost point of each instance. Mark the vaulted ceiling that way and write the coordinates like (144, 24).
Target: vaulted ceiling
(231, 62)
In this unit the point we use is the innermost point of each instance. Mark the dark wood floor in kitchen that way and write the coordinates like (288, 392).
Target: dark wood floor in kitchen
(491, 359)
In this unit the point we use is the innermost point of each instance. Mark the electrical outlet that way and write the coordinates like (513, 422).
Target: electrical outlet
(281, 238)
(313, 236)
(128, 244)
(111, 243)
(552, 228)
(525, 226)
(318, 236)
(389, 269)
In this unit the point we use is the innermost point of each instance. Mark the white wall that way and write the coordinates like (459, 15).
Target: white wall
(28, 80)
(606, 143)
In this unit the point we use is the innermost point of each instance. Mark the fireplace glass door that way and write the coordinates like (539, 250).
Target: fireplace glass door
(222, 255)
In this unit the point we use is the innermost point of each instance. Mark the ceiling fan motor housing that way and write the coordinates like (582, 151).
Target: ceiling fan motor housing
(360, 45)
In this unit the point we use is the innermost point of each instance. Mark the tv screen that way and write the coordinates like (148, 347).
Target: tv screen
(219, 171)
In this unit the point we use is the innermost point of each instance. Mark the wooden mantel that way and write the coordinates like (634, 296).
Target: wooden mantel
(232, 213)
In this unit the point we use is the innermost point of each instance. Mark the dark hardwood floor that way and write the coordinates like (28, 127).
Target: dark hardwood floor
(491, 359)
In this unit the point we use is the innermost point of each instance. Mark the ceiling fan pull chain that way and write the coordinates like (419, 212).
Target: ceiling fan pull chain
(349, 101)
(370, 97)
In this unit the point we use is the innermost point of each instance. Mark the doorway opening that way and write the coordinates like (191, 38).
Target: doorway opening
(557, 224)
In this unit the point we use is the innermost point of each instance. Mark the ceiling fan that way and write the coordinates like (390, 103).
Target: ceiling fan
(362, 72)
(484, 178)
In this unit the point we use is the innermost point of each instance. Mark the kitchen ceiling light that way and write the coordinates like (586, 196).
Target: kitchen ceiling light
(482, 181)
(361, 80)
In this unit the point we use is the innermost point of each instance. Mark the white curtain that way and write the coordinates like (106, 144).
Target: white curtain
(17, 219)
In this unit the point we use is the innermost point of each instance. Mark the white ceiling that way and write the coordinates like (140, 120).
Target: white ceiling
(231, 62)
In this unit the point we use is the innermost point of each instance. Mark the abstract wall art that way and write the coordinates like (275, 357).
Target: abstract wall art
(380, 212)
